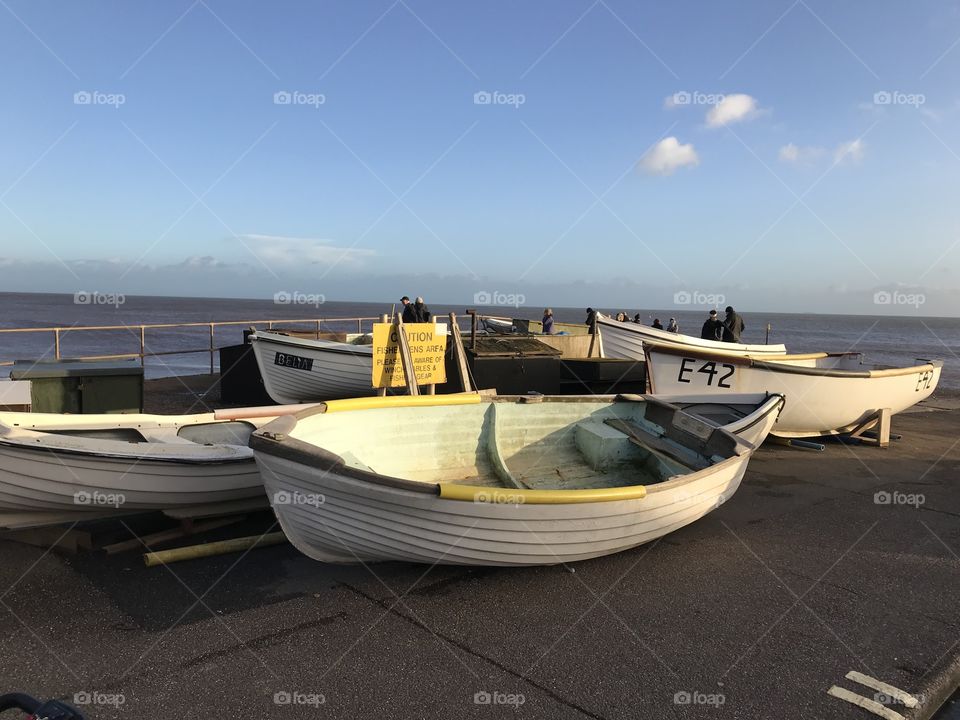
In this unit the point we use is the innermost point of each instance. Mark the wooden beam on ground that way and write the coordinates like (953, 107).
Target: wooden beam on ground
(165, 557)
(71, 541)
(185, 529)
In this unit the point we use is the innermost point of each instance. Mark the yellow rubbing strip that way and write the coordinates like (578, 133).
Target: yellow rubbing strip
(894, 372)
(369, 403)
(510, 496)
(782, 358)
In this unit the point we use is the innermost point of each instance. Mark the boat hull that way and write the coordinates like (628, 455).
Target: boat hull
(47, 477)
(323, 477)
(362, 522)
(626, 340)
(815, 404)
(296, 370)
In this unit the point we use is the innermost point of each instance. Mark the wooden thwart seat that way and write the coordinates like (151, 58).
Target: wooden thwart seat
(644, 439)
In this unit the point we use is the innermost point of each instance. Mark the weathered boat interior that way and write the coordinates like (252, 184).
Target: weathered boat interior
(542, 445)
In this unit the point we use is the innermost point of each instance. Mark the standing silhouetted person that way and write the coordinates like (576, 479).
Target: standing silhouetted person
(421, 311)
(712, 328)
(409, 312)
(732, 326)
(548, 322)
(591, 321)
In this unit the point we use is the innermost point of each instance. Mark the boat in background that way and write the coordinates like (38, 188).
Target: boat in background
(483, 480)
(627, 339)
(499, 326)
(826, 393)
(62, 468)
(296, 370)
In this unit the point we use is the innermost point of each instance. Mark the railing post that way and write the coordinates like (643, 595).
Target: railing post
(211, 348)
(56, 342)
(143, 347)
(359, 326)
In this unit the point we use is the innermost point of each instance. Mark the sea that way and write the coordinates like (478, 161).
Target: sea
(890, 340)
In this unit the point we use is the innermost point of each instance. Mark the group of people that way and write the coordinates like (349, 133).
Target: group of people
(727, 330)
(415, 312)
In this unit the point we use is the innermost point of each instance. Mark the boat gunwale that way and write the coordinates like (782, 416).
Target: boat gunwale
(331, 346)
(29, 439)
(274, 440)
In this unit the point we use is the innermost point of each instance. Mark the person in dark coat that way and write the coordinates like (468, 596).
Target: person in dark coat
(657, 324)
(421, 311)
(409, 312)
(672, 326)
(636, 318)
(712, 328)
(733, 326)
(591, 321)
(548, 322)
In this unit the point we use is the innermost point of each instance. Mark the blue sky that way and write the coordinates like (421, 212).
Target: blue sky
(788, 156)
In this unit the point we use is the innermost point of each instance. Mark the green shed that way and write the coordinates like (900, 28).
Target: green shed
(82, 386)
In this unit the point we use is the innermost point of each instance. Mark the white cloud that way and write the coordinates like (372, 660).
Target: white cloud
(850, 151)
(668, 155)
(733, 108)
(288, 251)
(791, 153)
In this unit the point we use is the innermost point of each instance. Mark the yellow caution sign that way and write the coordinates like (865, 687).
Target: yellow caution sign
(427, 348)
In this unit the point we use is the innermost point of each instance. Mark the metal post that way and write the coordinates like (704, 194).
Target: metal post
(211, 348)
(56, 342)
(143, 347)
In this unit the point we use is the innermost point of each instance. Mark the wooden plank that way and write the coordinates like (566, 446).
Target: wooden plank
(382, 391)
(880, 437)
(186, 528)
(460, 355)
(70, 540)
(655, 444)
(165, 557)
(406, 359)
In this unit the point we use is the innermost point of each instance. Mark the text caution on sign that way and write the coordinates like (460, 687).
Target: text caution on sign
(427, 348)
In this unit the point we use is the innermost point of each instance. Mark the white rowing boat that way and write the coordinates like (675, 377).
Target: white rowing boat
(826, 393)
(627, 339)
(499, 326)
(297, 370)
(475, 480)
(59, 468)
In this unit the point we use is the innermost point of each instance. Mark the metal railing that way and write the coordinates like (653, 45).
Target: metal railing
(141, 332)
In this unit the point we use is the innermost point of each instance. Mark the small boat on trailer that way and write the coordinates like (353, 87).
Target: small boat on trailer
(825, 393)
(627, 339)
(480, 480)
(61, 468)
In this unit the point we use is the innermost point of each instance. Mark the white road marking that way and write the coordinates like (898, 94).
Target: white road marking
(889, 690)
(866, 703)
